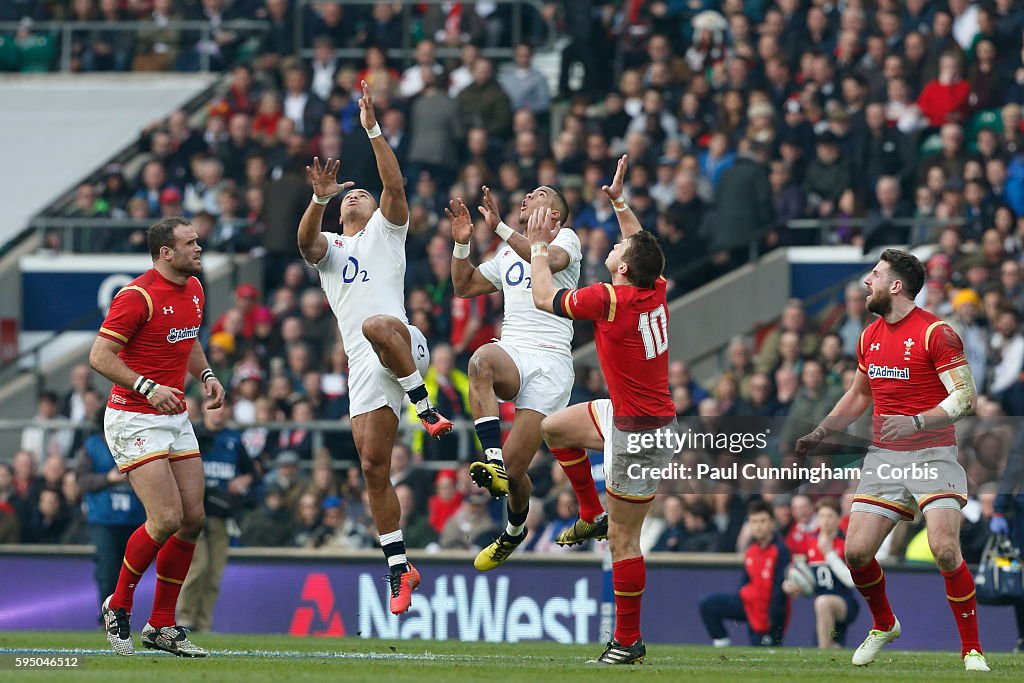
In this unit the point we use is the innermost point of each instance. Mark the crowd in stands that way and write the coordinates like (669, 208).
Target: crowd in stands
(900, 123)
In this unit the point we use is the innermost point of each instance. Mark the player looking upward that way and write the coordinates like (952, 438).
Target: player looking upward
(147, 343)
(362, 271)
(531, 364)
(911, 365)
(631, 333)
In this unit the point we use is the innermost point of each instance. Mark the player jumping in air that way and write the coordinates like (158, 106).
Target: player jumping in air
(532, 364)
(912, 365)
(362, 270)
(631, 333)
(145, 346)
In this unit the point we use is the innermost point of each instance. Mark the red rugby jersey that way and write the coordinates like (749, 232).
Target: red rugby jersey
(903, 362)
(631, 333)
(157, 321)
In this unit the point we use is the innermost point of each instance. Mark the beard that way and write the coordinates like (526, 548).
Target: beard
(880, 304)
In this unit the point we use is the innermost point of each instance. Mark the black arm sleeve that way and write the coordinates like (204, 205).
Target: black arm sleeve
(556, 304)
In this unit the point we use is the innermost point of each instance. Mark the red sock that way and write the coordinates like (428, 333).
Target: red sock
(138, 555)
(576, 464)
(628, 579)
(870, 581)
(171, 569)
(960, 593)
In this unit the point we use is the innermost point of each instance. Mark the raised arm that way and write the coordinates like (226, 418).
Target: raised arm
(541, 229)
(393, 205)
(558, 258)
(467, 279)
(628, 223)
(324, 178)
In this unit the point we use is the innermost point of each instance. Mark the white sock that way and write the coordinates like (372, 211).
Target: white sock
(422, 406)
(514, 529)
(412, 381)
(493, 454)
(389, 538)
(721, 642)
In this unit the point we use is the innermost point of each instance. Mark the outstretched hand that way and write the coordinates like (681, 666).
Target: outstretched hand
(367, 117)
(462, 223)
(489, 208)
(541, 226)
(614, 191)
(324, 178)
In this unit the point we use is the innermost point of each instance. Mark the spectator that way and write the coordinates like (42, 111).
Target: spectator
(744, 207)
(271, 524)
(760, 601)
(470, 527)
(445, 501)
(47, 521)
(40, 440)
(414, 79)
(483, 103)
(947, 98)
(416, 529)
(436, 130)
(525, 86)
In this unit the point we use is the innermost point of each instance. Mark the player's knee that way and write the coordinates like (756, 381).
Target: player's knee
(192, 525)
(857, 556)
(376, 328)
(166, 522)
(480, 368)
(550, 432)
(821, 606)
(946, 553)
(375, 473)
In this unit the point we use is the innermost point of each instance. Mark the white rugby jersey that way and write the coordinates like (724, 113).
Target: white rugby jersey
(523, 323)
(364, 275)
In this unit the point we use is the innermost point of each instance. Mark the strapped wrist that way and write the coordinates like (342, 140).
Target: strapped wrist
(460, 251)
(538, 249)
(373, 132)
(619, 204)
(918, 422)
(207, 375)
(322, 201)
(504, 231)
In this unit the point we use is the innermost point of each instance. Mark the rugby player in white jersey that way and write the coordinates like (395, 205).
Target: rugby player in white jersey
(531, 364)
(362, 271)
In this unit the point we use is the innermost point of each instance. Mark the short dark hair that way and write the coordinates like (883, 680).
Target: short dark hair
(830, 503)
(906, 268)
(558, 202)
(758, 506)
(645, 259)
(161, 234)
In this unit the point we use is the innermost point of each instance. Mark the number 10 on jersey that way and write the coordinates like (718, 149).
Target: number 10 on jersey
(654, 330)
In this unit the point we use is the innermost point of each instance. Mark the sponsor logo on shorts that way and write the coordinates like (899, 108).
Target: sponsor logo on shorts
(175, 334)
(886, 372)
(140, 442)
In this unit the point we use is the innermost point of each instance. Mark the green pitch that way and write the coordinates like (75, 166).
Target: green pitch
(281, 659)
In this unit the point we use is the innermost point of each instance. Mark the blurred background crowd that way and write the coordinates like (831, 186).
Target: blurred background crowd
(749, 125)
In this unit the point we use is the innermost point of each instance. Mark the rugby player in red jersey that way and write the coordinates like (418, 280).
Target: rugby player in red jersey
(631, 332)
(146, 345)
(911, 364)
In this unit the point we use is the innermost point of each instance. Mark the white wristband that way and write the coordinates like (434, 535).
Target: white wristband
(373, 132)
(620, 205)
(503, 231)
(322, 201)
(538, 249)
(460, 250)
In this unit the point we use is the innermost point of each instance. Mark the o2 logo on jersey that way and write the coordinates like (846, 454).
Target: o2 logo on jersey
(421, 351)
(654, 331)
(515, 275)
(350, 273)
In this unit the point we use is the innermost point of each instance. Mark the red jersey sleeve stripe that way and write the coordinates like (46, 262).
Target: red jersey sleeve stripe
(145, 295)
(565, 303)
(611, 302)
(955, 363)
(116, 336)
(928, 332)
